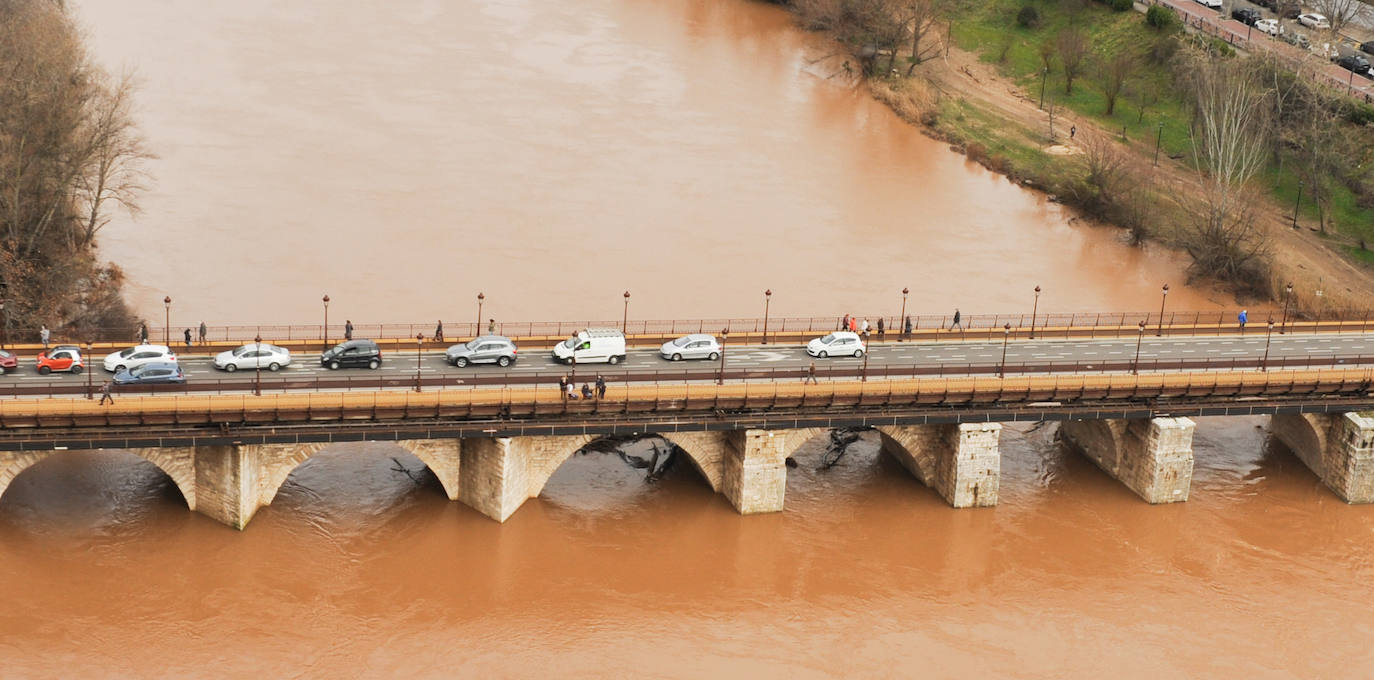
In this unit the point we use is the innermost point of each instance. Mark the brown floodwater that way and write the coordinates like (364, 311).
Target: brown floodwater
(401, 156)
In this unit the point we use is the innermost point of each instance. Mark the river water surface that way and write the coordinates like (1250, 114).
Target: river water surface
(401, 156)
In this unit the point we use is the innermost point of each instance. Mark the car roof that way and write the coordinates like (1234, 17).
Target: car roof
(699, 336)
(493, 338)
(845, 334)
(357, 343)
(601, 333)
(155, 365)
(145, 348)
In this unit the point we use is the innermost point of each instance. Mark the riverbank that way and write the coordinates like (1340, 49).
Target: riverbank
(970, 100)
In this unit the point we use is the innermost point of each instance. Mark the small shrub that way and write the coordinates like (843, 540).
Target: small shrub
(976, 152)
(1360, 114)
(1122, 5)
(1161, 19)
(1028, 17)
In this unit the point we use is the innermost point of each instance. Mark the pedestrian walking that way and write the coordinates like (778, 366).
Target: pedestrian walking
(105, 393)
(188, 338)
(600, 387)
(203, 332)
(348, 329)
(491, 325)
(572, 391)
(563, 385)
(1073, 130)
(586, 391)
(143, 333)
(853, 324)
(439, 331)
(880, 327)
(1242, 318)
(956, 322)
(45, 335)
(844, 323)
(863, 327)
(810, 374)
(906, 329)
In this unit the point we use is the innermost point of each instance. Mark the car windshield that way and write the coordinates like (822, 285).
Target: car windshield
(4, 354)
(472, 344)
(828, 339)
(126, 353)
(681, 342)
(571, 343)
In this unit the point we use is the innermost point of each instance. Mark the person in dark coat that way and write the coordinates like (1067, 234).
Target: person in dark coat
(600, 387)
(907, 327)
(586, 391)
(203, 332)
(880, 327)
(955, 322)
(439, 331)
(187, 334)
(563, 385)
(348, 329)
(143, 334)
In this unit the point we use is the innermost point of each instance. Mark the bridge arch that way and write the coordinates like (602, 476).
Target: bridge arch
(178, 463)
(1305, 434)
(1101, 440)
(705, 450)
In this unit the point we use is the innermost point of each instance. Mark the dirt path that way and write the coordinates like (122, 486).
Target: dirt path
(1300, 256)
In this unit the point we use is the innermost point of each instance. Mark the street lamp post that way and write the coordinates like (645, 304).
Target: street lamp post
(1264, 363)
(419, 345)
(767, 299)
(1162, 297)
(901, 320)
(257, 375)
(1034, 309)
(863, 377)
(1159, 136)
(625, 319)
(1006, 335)
(1319, 306)
(4, 326)
(1287, 296)
(167, 321)
(724, 336)
(1297, 203)
(325, 329)
(1135, 365)
(477, 330)
(90, 394)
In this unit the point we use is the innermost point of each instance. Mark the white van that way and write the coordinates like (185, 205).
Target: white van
(592, 345)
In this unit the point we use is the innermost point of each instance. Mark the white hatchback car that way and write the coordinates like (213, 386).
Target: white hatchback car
(138, 355)
(1313, 21)
(694, 346)
(1214, 4)
(1270, 26)
(252, 356)
(837, 344)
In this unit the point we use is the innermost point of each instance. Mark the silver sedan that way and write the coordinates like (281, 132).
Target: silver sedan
(255, 355)
(694, 346)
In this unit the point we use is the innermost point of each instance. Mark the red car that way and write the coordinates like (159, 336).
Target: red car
(8, 362)
(61, 358)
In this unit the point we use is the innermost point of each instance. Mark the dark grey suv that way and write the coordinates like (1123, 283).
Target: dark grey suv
(352, 353)
(486, 349)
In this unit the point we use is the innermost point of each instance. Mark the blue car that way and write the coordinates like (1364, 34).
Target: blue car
(157, 373)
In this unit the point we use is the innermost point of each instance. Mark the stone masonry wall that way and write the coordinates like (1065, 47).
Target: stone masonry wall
(755, 471)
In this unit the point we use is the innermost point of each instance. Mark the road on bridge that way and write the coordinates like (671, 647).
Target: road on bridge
(761, 362)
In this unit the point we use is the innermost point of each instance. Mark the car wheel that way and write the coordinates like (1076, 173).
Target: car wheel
(503, 362)
(333, 365)
(858, 353)
(274, 367)
(461, 362)
(231, 367)
(44, 370)
(714, 356)
(76, 369)
(823, 354)
(568, 361)
(613, 360)
(121, 367)
(374, 364)
(677, 357)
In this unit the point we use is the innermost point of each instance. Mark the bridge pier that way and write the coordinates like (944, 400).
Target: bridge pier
(961, 462)
(1338, 448)
(1153, 458)
(754, 470)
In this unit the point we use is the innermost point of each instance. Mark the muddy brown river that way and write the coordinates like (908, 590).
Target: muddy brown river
(402, 156)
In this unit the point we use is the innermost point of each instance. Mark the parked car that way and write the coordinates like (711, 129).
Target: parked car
(254, 356)
(1295, 39)
(352, 353)
(8, 361)
(1214, 4)
(1246, 15)
(592, 345)
(1353, 62)
(61, 358)
(1368, 47)
(1270, 26)
(156, 373)
(1312, 20)
(839, 343)
(137, 356)
(694, 346)
(484, 349)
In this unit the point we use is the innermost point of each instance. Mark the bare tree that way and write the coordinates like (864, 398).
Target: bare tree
(1144, 94)
(1107, 166)
(1341, 12)
(1114, 72)
(1072, 47)
(1046, 50)
(115, 171)
(1229, 147)
(922, 19)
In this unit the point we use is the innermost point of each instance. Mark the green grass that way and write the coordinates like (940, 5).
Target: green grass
(1350, 219)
